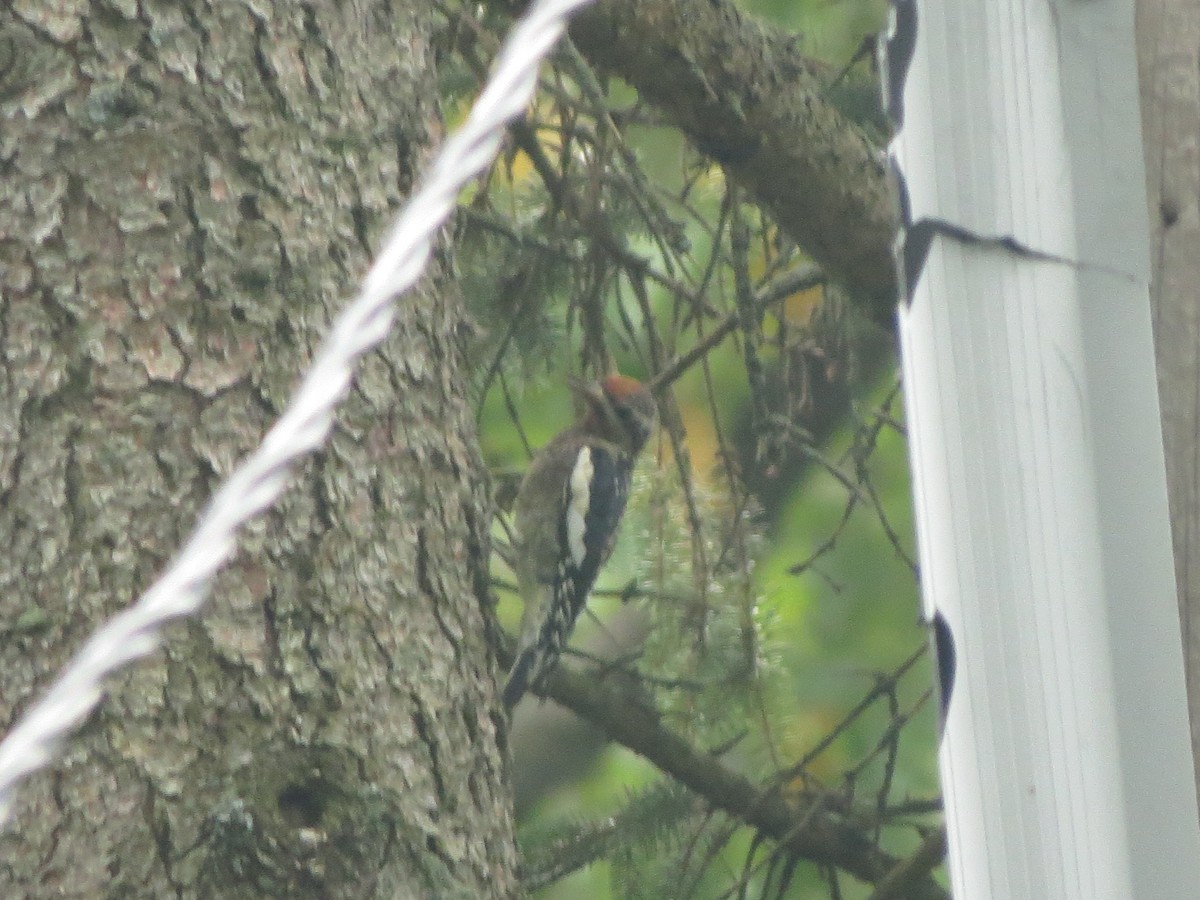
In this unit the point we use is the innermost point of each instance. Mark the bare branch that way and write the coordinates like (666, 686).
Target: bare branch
(745, 95)
(809, 831)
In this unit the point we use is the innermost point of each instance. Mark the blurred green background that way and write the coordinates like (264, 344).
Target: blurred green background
(798, 598)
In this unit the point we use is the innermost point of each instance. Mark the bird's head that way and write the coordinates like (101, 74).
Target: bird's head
(621, 409)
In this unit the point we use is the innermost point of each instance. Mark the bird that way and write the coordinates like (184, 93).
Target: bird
(567, 514)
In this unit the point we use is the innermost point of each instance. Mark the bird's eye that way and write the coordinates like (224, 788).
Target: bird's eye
(634, 427)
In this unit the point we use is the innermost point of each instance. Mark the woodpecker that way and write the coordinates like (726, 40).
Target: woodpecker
(567, 512)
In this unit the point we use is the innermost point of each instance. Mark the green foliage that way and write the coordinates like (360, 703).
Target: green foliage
(767, 554)
(647, 824)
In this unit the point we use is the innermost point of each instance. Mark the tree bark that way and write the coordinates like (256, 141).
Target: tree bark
(189, 192)
(1168, 34)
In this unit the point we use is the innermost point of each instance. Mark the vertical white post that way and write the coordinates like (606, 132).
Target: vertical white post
(1037, 457)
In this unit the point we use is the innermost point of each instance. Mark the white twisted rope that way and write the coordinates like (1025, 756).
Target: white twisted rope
(303, 427)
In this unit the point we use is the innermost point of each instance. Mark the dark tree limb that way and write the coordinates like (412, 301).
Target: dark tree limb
(807, 830)
(898, 882)
(745, 95)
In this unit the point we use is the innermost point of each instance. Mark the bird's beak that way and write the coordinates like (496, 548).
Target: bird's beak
(588, 391)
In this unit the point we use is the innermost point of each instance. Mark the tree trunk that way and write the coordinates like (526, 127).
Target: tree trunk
(1168, 34)
(189, 193)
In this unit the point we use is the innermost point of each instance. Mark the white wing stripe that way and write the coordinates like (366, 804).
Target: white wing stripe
(578, 501)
